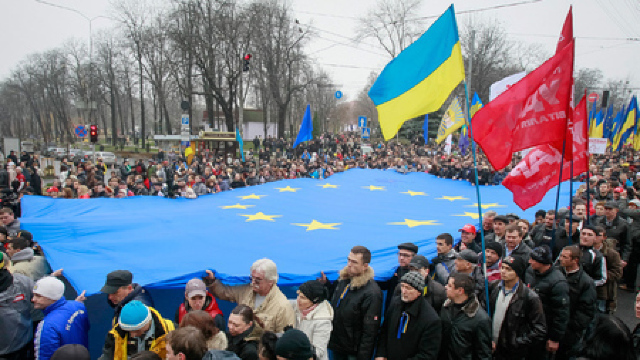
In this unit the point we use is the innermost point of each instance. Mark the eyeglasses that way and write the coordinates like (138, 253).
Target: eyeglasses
(256, 280)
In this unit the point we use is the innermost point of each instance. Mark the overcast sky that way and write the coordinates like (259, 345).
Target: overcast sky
(601, 27)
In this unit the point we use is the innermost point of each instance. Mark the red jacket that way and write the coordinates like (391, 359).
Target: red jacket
(210, 306)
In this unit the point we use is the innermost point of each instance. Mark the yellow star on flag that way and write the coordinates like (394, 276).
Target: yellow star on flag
(452, 198)
(474, 216)
(373, 187)
(413, 223)
(486, 206)
(329, 186)
(288, 189)
(414, 193)
(236, 206)
(316, 225)
(261, 216)
(252, 196)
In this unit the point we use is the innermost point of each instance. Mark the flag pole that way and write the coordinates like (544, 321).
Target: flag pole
(475, 173)
(564, 144)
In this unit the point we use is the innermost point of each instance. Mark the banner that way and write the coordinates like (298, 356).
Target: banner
(597, 145)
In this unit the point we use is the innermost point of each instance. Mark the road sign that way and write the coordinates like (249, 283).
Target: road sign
(338, 94)
(81, 131)
(593, 97)
(366, 132)
(362, 121)
(185, 119)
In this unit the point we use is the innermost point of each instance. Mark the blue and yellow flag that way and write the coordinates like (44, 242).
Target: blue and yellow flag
(419, 80)
(452, 120)
(463, 143)
(616, 126)
(628, 124)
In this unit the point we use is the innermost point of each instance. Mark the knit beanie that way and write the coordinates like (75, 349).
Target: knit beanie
(495, 246)
(414, 279)
(134, 316)
(542, 254)
(517, 264)
(313, 290)
(294, 345)
(71, 352)
(49, 287)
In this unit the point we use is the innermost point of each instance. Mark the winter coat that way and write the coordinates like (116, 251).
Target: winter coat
(275, 312)
(433, 292)
(523, 251)
(218, 341)
(466, 332)
(391, 284)
(26, 263)
(15, 314)
(563, 240)
(524, 325)
(541, 235)
(614, 272)
(119, 346)
(443, 265)
(317, 325)
(243, 346)
(553, 290)
(617, 229)
(633, 234)
(356, 302)
(65, 322)
(421, 337)
(594, 265)
(582, 300)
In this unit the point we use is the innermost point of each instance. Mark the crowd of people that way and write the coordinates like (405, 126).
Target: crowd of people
(542, 288)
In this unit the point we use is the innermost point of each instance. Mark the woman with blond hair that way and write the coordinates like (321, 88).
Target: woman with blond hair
(83, 192)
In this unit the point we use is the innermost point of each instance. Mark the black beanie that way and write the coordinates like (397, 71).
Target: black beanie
(517, 264)
(495, 246)
(313, 290)
(294, 345)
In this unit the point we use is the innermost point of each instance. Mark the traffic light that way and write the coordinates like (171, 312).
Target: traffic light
(245, 65)
(93, 133)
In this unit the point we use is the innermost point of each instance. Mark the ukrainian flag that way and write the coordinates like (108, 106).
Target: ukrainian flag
(452, 120)
(476, 104)
(616, 127)
(628, 125)
(420, 79)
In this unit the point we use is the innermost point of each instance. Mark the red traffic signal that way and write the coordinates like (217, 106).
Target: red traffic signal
(247, 57)
(93, 133)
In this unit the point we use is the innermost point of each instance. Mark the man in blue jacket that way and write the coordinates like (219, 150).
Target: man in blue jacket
(65, 322)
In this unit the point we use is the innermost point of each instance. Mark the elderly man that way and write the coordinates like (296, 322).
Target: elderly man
(263, 295)
(406, 252)
(139, 328)
(65, 322)
(411, 328)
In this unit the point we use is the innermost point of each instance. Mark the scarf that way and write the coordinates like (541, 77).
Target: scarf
(306, 311)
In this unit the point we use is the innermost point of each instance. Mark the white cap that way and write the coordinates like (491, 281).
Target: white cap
(49, 287)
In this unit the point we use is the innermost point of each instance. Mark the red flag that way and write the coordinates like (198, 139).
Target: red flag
(567, 31)
(532, 112)
(537, 173)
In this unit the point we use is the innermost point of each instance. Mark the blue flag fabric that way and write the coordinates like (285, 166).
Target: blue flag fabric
(240, 143)
(608, 122)
(425, 128)
(296, 223)
(306, 128)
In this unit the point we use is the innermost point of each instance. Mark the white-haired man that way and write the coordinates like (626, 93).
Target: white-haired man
(269, 304)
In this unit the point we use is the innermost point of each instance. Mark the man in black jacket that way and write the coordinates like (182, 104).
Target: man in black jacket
(411, 329)
(466, 327)
(518, 319)
(592, 260)
(406, 252)
(356, 302)
(433, 292)
(551, 286)
(615, 225)
(121, 290)
(568, 235)
(582, 300)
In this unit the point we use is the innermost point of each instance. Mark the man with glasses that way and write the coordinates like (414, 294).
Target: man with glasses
(406, 252)
(269, 304)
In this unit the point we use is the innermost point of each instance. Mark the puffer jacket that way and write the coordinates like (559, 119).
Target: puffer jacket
(443, 265)
(524, 325)
(210, 306)
(582, 297)
(357, 303)
(65, 322)
(466, 333)
(317, 325)
(553, 290)
(15, 314)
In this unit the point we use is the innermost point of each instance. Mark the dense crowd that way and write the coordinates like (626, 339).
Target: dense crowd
(543, 288)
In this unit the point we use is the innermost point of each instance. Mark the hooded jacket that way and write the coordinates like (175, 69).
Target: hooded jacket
(356, 302)
(316, 325)
(26, 263)
(444, 265)
(466, 333)
(15, 313)
(65, 322)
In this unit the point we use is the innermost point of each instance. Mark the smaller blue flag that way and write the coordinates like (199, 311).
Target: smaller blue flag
(425, 127)
(306, 128)
(240, 143)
